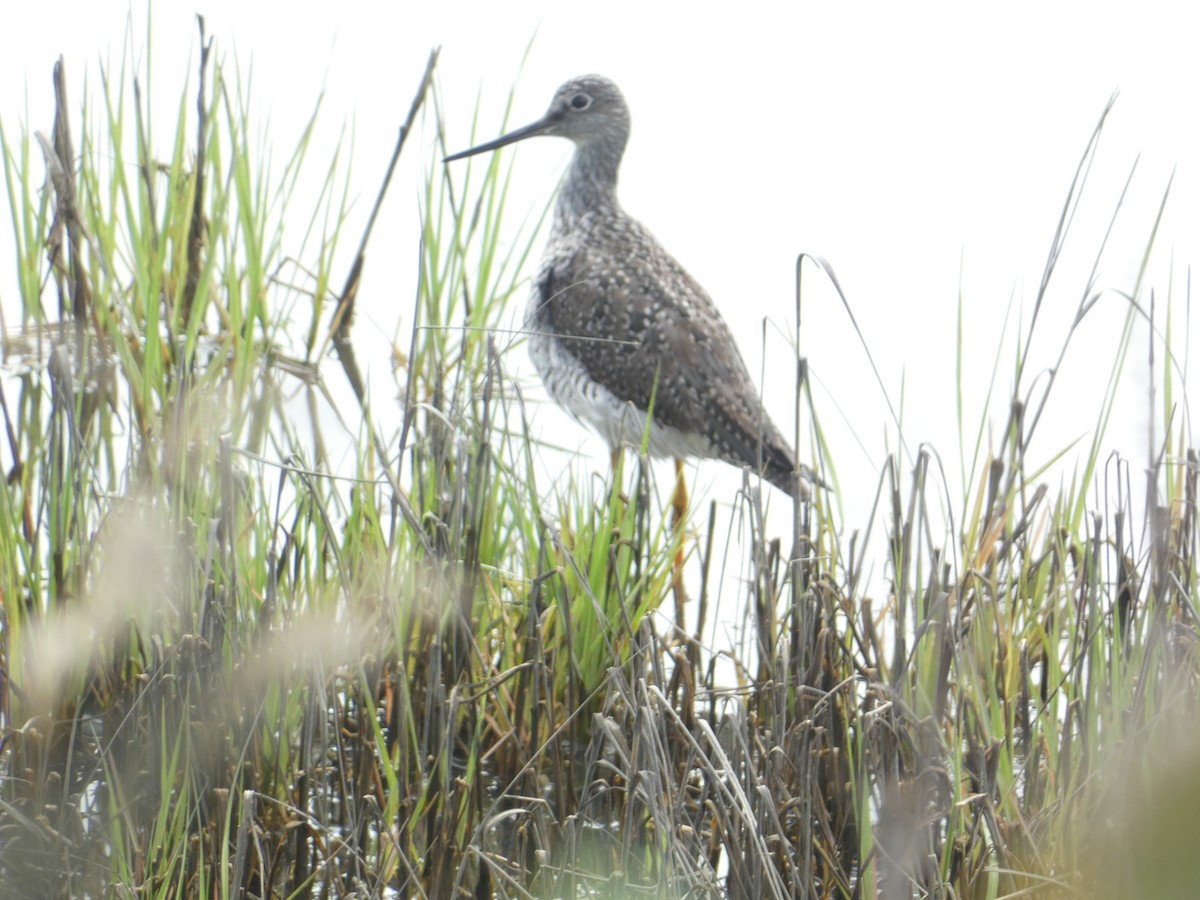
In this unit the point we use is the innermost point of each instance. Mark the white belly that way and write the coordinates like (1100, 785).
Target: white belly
(618, 421)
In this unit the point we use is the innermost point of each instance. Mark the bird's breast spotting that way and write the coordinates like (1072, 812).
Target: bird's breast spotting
(618, 420)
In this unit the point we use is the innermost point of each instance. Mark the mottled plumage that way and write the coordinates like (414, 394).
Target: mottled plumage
(615, 321)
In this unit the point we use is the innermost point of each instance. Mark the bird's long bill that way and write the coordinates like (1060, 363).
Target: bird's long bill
(530, 130)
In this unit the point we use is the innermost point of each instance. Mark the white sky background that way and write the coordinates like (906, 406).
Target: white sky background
(923, 151)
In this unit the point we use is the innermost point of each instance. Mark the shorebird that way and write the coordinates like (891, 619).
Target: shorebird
(618, 328)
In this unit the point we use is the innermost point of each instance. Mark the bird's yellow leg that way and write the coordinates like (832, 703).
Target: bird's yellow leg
(617, 488)
(679, 499)
(679, 506)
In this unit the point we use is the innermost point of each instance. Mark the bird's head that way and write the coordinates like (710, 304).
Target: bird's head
(586, 110)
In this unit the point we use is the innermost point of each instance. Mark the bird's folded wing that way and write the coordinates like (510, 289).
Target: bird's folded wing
(642, 327)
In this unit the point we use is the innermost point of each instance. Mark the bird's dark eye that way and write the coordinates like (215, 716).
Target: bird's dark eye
(581, 101)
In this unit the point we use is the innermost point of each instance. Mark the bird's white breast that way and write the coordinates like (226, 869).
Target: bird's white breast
(618, 421)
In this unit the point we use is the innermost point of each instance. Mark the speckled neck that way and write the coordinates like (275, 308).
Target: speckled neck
(591, 182)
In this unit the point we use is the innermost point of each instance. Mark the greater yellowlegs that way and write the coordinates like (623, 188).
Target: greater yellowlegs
(617, 327)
